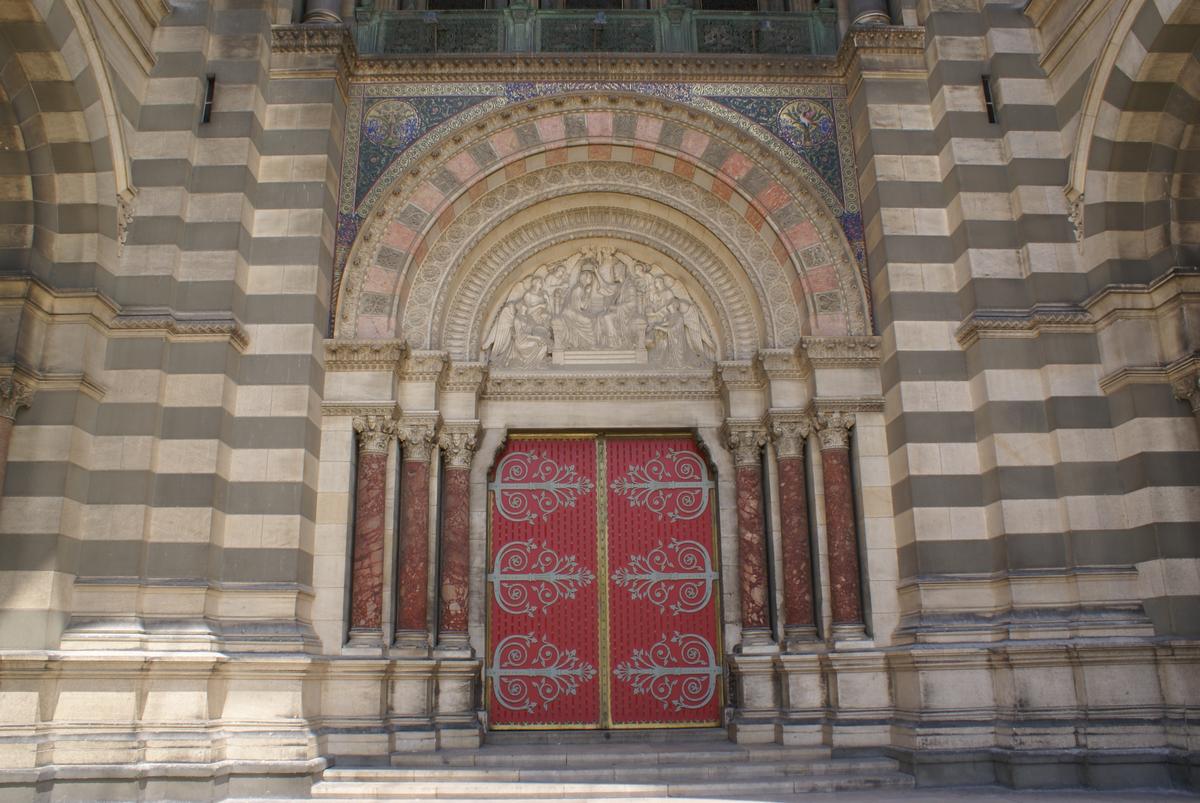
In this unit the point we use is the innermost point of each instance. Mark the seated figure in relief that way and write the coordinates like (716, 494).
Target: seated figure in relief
(600, 299)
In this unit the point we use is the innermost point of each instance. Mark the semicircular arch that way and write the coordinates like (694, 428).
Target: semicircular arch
(419, 218)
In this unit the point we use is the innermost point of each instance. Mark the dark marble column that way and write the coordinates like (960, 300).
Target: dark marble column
(457, 443)
(14, 394)
(412, 571)
(845, 593)
(375, 434)
(789, 431)
(746, 439)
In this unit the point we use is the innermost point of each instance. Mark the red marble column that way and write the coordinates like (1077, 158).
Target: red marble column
(412, 576)
(789, 432)
(14, 394)
(370, 503)
(458, 447)
(745, 442)
(845, 591)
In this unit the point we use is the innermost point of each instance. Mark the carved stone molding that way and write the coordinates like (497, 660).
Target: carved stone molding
(696, 385)
(455, 319)
(375, 433)
(457, 442)
(789, 430)
(326, 40)
(179, 327)
(841, 352)
(465, 377)
(784, 364)
(741, 374)
(429, 157)
(423, 366)
(14, 394)
(1185, 382)
(360, 409)
(364, 355)
(745, 438)
(417, 432)
(1023, 322)
(833, 428)
(857, 404)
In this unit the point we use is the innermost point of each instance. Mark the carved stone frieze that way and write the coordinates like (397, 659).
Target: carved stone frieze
(375, 432)
(14, 394)
(360, 409)
(841, 352)
(177, 327)
(833, 429)
(417, 431)
(364, 355)
(696, 385)
(857, 404)
(745, 439)
(457, 441)
(789, 430)
(600, 305)
(1023, 322)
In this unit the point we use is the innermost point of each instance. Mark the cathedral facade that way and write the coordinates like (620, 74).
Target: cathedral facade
(381, 376)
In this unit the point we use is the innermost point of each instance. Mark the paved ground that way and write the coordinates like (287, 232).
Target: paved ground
(974, 794)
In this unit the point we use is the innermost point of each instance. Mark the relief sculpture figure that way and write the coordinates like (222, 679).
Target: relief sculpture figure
(596, 300)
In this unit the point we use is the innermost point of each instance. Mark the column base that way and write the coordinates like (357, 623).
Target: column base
(454, 645)
(851, 636)
(757, 641)
(411, 644)
(364, 641)
(800, 638)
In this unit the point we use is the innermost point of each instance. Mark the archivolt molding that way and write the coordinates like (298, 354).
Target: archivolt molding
(453, 151)
(428, 293)
(472, 300)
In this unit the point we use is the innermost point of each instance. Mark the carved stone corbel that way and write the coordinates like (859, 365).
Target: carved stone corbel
(375, 433)
(1187, 389)
(457, 442)
(789, 430)
(417, 433)
(14, 394)
(833, 428)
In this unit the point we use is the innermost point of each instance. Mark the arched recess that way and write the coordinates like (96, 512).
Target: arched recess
(65, 178)
(782, 245)
(1134, 166)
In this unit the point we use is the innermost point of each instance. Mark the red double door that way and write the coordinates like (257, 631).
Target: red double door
(602, 585)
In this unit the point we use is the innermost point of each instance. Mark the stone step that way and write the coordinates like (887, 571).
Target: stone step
(499, 790)
(583, 755)
(593, 737)
(618, 772)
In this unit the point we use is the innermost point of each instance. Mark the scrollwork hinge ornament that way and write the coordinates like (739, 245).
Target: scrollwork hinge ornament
(833, 428)
(680, 672)
(14, 394)
(680, 479)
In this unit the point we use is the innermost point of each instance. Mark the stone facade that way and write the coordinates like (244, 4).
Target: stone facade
(928, 304)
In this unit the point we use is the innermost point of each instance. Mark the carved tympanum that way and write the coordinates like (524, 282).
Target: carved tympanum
(600, 305)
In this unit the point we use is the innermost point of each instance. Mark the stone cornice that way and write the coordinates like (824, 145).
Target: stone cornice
(1023, 322)
(841, 352)
(1118, 301)
(364, 355)
(465, 377)
(741, 374)
(784, 364)
(423, 366)
(334, 42)
(547, 385)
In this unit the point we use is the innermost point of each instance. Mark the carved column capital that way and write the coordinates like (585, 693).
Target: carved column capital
(417, 434)
(375, 432)
(789, 430)
(833, 428)
(745, 439)
(457, 442)
(14, 394)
